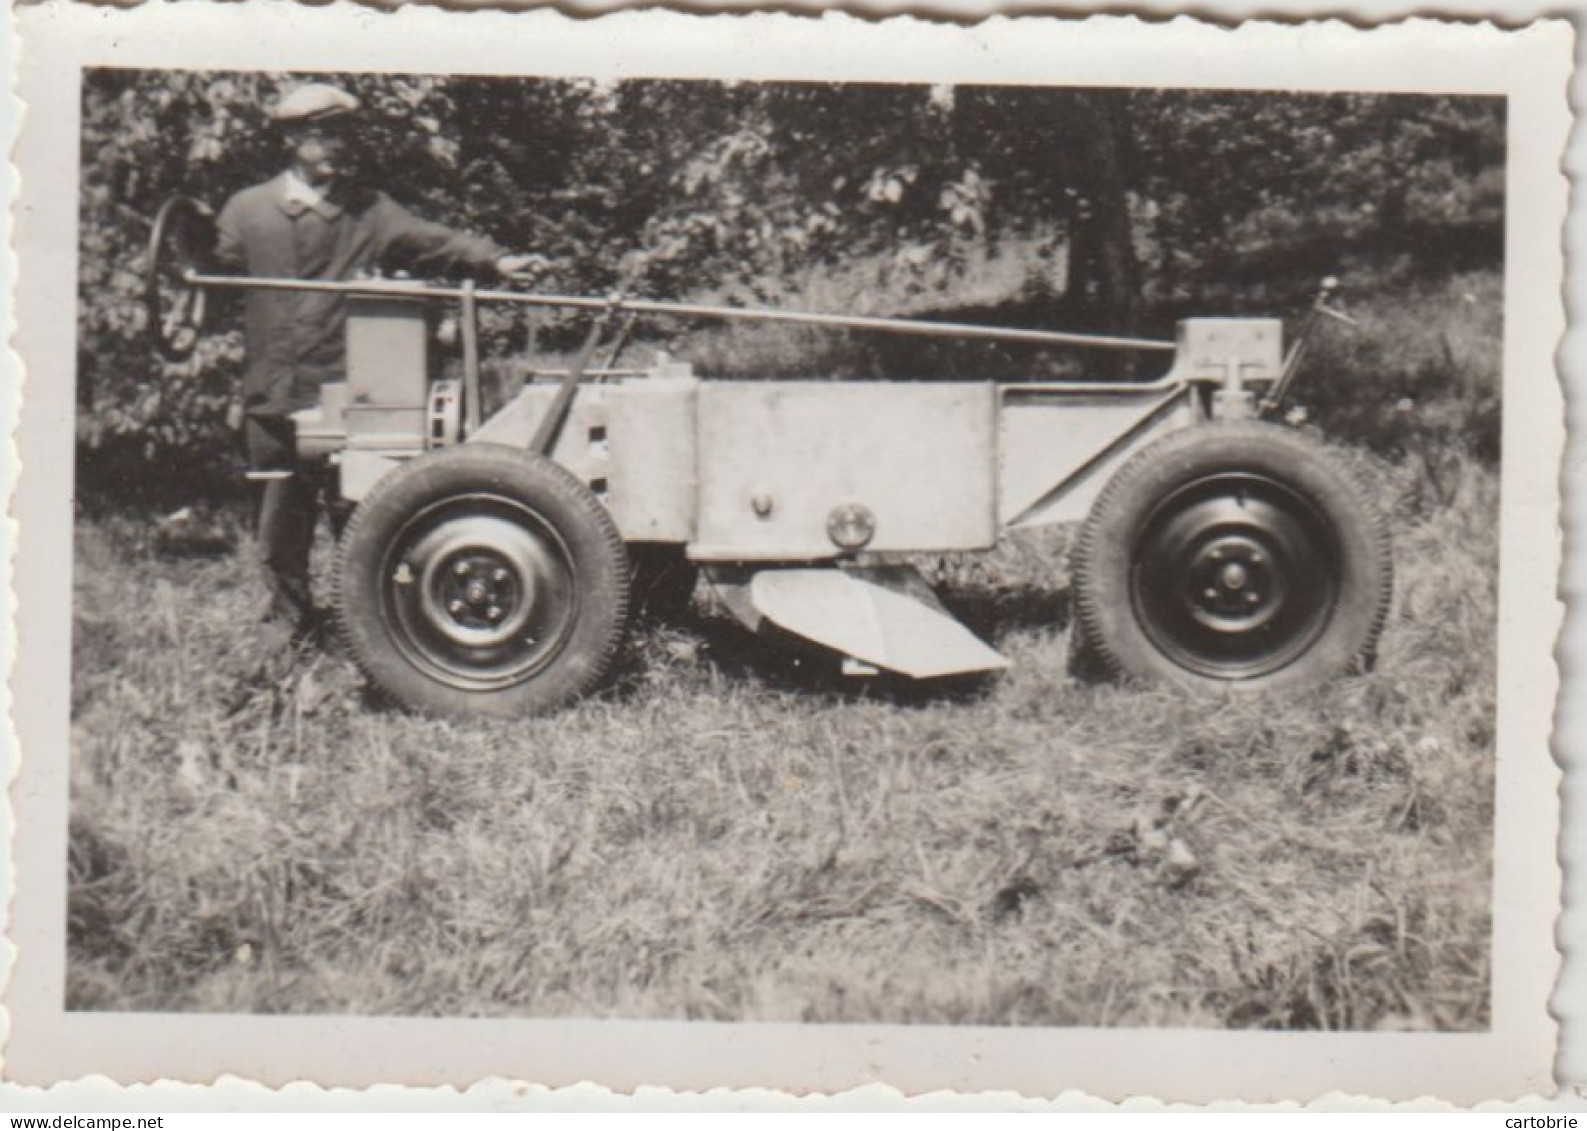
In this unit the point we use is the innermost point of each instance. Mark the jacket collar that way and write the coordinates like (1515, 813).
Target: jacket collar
(294, 206)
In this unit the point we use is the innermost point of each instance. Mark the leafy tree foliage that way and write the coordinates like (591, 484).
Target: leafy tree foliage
(1155, 200)
(1238, 188)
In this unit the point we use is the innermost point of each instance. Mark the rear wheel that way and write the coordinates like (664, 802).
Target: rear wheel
(481, 579)
(1233, 555)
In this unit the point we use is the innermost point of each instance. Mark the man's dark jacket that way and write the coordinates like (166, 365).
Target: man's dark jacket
(296, 339)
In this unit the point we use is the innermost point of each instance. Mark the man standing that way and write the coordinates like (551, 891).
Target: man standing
(315, 221)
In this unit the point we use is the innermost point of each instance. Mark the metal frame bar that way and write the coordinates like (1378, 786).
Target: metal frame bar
(1068, 390)
(471, 386)
(617, 303)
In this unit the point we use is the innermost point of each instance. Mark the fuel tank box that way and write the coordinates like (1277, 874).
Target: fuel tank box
(389, 360)
(785, 466)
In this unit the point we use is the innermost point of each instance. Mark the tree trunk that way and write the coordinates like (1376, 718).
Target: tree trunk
(1105, 277)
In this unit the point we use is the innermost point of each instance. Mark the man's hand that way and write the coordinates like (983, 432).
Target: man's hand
(533, 265)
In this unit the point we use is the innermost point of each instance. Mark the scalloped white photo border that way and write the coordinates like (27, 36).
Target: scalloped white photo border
(1531, 66)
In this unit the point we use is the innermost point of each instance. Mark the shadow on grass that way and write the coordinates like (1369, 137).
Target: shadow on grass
(993, 611)
(780, 661)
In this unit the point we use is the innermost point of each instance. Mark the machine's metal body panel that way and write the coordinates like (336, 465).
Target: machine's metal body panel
(652, 437)
(1058, 446)
(632, 443)
(776, 458)
(1207, 347)
(753, 470)
(359, 471)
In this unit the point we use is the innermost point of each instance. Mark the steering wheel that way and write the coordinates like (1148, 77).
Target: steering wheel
(179, 245)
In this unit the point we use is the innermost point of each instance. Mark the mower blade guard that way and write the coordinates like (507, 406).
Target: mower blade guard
(886, 618)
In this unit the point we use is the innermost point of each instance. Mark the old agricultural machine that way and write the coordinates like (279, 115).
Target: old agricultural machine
(487, 566)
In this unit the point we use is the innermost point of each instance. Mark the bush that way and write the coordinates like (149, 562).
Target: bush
(1422, 374)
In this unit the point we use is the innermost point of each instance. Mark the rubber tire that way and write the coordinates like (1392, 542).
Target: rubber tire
(598, 561)
(1107, 552)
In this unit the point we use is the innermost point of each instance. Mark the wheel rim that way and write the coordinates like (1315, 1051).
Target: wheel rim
(480, 592)
(1235, 576)
(175, 307)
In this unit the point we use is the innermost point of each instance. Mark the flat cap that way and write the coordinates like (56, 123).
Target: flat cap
(314, 102)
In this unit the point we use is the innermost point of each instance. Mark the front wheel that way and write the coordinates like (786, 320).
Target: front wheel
(1233, 555)
(482, 580)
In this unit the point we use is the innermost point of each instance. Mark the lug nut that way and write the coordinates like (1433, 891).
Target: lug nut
(499, 576)
(1212, 594)
(1251, 598)
(461, 568)
(455, 608)
(493, 613)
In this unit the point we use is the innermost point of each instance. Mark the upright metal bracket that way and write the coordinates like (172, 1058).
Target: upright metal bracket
(545, 437)
(1321, 307)
(471, 383)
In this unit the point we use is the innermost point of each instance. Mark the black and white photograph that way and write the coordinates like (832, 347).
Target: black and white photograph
(935, 554)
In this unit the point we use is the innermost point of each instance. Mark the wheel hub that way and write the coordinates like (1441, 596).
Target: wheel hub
(1234, 575)
(481, 591)
(1232, 582)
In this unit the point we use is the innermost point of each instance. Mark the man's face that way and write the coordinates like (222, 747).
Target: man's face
(321, 153)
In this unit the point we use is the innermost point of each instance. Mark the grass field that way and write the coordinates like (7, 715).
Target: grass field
(733, 833)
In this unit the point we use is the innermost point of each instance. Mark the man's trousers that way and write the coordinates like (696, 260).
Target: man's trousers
(287, 507)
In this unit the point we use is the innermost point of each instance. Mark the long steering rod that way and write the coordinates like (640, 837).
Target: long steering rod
(183, 230)
(396, 288)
